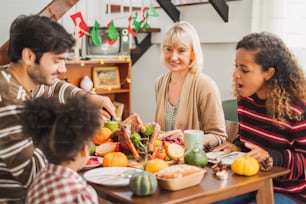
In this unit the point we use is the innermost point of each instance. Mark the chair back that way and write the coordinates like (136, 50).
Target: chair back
(230, 110)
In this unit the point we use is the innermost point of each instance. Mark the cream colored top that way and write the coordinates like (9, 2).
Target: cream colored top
(171, 115)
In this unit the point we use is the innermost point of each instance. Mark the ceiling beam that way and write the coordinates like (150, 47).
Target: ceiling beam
(170, 9)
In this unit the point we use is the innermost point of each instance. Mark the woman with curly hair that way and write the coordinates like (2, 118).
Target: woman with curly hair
(271, 90)
(63, 132)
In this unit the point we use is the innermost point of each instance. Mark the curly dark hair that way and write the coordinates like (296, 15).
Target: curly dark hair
(288, 84)
(60, 130)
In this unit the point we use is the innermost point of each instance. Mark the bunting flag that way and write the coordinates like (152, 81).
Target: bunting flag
(112, 33)
(129, 28)
(95, 34)
(153, 11)
(144, 14)
(145, 19)
(80, 23)
(136, 24)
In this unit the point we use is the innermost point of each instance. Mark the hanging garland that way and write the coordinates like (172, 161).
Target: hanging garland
(135, 24)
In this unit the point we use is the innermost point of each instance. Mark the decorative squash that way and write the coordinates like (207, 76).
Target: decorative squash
(115, 159)
(143, 183)
(112, 125)
(245, 165)
(101, 135)
(196, 156)
(155, 165)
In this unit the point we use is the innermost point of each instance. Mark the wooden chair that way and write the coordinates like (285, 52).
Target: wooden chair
(231, 130)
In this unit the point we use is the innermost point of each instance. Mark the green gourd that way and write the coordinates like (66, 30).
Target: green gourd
(143, 183)
(196, 156)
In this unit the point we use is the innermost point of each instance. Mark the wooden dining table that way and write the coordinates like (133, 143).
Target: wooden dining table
(211, 189)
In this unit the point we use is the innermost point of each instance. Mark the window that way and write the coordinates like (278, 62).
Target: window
(287, 19)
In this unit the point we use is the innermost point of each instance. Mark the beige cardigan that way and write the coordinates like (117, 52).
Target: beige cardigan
(200, 107)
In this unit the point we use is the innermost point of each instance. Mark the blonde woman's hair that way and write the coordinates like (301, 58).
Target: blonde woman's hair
(184, 33)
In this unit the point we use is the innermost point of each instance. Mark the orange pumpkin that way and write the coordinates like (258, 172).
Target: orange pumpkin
(115, 159)
(101, 135)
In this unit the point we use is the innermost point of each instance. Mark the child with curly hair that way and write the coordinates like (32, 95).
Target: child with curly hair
(63, 132)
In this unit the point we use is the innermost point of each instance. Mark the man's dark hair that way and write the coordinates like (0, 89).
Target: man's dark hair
(40, 34)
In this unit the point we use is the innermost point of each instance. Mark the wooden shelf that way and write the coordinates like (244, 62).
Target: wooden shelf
(113, 91)
(76, 70)
(150, 30)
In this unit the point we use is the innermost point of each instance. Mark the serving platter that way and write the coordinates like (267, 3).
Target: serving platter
(110, 176)
(224, 157)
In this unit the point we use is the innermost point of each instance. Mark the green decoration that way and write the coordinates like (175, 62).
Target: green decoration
(137, 25)
(95, 34)
(145, 27)
(153, 11)
(112, 32)
(146, 15)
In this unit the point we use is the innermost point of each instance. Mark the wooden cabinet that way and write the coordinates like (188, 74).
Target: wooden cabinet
(77, 70)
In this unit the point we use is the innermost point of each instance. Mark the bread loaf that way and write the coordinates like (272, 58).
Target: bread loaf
(177, 171)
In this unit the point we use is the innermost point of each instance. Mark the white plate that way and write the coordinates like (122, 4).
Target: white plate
(226, 158)
(100, 159)
(110, 176)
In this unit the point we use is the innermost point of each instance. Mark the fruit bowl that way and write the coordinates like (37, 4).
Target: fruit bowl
(180, 176)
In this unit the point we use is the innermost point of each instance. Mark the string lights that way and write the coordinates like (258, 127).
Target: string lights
(126, 80)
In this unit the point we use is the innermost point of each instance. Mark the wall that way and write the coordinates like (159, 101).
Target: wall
(218, 41)
(10, 9)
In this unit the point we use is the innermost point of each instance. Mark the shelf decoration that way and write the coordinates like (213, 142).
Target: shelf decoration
(80, 23)
(86, 83)
(126, 80)
(112, 33)
(95, 35)
(135, 24)
(106, 77)
(80, 30)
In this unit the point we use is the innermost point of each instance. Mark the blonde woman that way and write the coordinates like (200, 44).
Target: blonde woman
(186, 98)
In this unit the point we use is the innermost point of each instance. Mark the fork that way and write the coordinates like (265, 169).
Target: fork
(232, 154)
(124, 175)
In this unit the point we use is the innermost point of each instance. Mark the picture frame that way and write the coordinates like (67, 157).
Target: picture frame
(106, 77)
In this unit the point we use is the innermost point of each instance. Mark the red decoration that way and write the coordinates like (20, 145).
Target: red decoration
(80, 22)
(130, 29)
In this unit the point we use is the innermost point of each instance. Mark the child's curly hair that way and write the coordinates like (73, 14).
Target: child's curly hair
(60, 130)
(288, 84)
